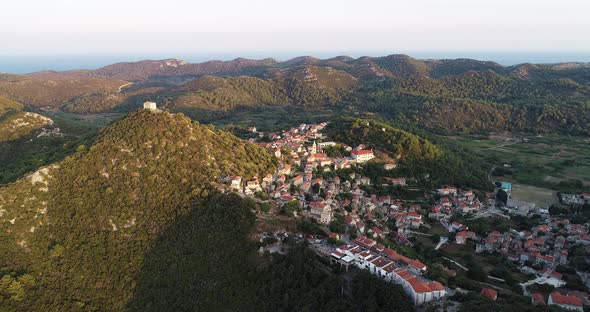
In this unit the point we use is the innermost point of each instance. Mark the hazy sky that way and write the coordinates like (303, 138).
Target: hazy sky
(147, 26)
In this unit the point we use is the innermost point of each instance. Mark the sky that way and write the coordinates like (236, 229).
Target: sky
(276, 27)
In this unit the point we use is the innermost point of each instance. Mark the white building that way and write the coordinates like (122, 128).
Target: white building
(321, 212)
(362, 156)
(150, 106)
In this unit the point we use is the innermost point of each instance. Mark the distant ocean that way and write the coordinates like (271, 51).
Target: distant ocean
(31, 63)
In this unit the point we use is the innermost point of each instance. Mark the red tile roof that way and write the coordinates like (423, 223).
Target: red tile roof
(417, 285)
(380, 262)
(377, 230)
(390, 267)
(558, 298)
(361, 152)
(489, 293)
(436, 286)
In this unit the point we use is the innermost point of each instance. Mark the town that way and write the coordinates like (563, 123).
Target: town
(322, 182)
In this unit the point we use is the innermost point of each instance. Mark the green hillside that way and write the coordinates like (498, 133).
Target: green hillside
(75, 233)
(382, 137)
(218, 93)
(482, 101)
(15, 123)
(7, 106)
(430, 164)
(20, 125)
(308, 86)
(312, 85)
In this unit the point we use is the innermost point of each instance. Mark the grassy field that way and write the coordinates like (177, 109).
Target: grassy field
(549, 162)
(542, 197)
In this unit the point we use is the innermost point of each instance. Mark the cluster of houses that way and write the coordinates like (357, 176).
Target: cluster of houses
(301, 154)
(300, 151)
(575, 200)
(366, 253)
(546, 244)
(573, 300)
(453, 200)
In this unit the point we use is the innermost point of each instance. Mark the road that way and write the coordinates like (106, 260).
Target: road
(457, 263)
(123, 86)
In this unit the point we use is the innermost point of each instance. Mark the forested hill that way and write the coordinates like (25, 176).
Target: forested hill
(430, 164)
(74, 234)
(383, 138)
(16, 123)
(301, 86)
(446, 96)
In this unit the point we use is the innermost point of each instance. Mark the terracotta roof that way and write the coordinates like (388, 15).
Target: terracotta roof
(377, 230)
(403, 273)
(389, 267)
(417, 264)
(489, 293)
(338, 254)
(391, 254)
(380, 262)
(558, 298)
(436, 286)
(418, 286)
(361, 152)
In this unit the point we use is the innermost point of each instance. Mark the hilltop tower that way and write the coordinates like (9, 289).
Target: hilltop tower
(150, 106)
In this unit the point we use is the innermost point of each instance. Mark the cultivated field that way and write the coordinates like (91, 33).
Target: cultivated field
(548, 162)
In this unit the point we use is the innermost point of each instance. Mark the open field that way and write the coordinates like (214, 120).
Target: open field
(542, 197)
(550, 162)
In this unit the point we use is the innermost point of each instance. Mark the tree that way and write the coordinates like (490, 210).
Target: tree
(476, 272)
(338, 225)
(292, 207)
(502, 196)
(264, 207)
(435, 238)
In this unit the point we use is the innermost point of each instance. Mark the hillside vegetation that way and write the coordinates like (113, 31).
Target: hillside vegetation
(483, 101)
(217, 93)
(16, 124)
(21, 124)
(50, 92)
(382, 137)
(445, 96)
(75, 233)
(431, 165)
(7, 106)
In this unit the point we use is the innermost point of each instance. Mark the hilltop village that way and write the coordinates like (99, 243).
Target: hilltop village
(447, 241)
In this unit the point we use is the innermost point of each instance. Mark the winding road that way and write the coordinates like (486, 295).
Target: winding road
(123, 86)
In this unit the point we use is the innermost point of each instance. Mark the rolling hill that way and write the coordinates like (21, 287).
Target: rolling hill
(17, 124)
(21, 124)
(74, 233)
(447, 96)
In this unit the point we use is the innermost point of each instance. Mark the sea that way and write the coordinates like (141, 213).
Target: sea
(22, 64)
